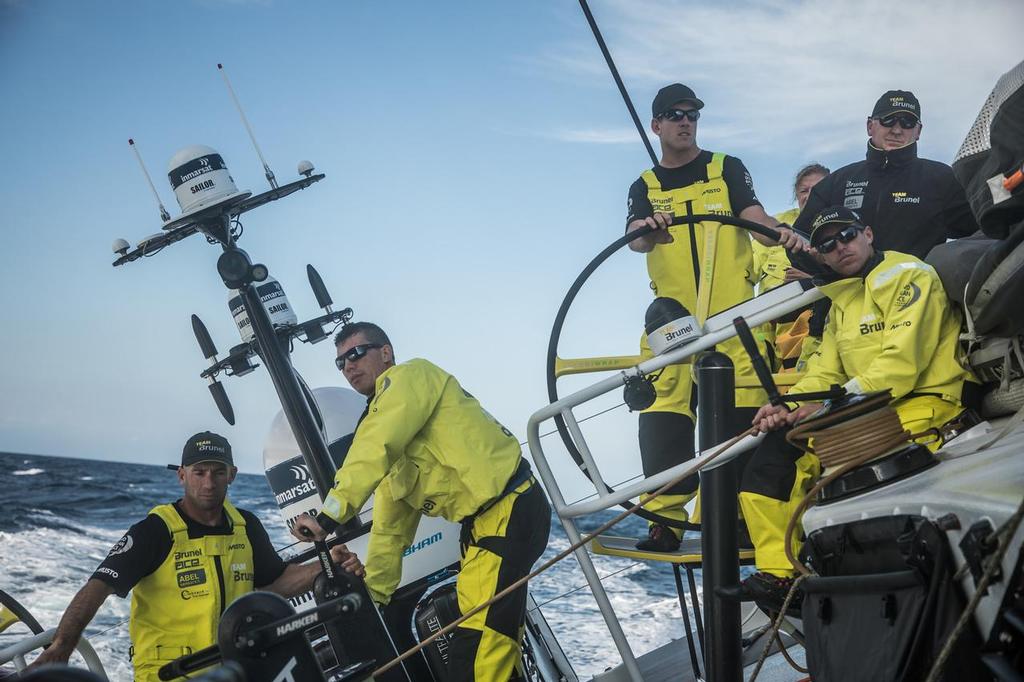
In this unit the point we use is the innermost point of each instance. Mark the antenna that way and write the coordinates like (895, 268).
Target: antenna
(203, 337)
(220, 396)
(323, 299)
(164, 215)
(266, 169)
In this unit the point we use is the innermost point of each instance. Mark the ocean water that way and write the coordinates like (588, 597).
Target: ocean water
(60, 516)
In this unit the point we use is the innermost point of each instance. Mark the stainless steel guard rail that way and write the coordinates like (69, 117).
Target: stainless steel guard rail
(757, 311)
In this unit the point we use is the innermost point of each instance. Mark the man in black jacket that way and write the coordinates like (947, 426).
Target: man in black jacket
(912, 204)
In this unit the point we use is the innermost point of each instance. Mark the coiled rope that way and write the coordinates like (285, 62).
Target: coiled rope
(842, 441)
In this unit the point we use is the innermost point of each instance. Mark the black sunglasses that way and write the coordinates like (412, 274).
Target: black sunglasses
(680, 114)
(906, 122)
(354, 353)
(843, 237)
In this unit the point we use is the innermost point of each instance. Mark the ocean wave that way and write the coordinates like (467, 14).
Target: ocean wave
(28, 472)
(62, 528)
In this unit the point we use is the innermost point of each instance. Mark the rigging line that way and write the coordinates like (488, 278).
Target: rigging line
(103, 632)
(580, 587)
(618, 80)
(579, 421)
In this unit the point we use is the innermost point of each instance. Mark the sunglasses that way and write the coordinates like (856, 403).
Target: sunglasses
(680, 114)
(906, 122)
(354, 353)
(844, 237)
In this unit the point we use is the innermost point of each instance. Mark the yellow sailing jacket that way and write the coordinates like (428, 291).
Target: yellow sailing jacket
(895, 329)
(771, 262)
(427, 447)
(176, 609)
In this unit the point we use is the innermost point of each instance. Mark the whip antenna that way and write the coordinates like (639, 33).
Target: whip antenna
(164, 215)
(618, 80)
(266, 169)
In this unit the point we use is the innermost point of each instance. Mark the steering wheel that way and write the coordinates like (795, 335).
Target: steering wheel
(557, 367)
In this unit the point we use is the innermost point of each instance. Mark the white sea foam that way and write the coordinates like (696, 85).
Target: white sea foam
(28, 472)
(44, 568)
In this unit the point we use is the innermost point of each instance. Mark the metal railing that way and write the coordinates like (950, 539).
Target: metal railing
(757, 311)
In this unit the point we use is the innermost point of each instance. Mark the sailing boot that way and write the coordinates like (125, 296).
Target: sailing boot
(767, 591)
(660, 538)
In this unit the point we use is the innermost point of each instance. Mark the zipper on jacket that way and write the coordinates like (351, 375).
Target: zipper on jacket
(220, 582)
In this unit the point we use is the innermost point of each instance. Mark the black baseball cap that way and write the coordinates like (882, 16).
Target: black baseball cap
(673, 94)
(206, 447)
(833, 215)
(897, 102)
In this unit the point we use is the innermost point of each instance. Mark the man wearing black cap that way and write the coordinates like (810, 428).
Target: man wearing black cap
(689, 179)
(911, 203)
(891, 327)
(185, 562)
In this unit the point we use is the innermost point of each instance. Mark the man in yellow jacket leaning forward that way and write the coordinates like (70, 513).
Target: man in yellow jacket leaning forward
(426, 446)
(891, 327)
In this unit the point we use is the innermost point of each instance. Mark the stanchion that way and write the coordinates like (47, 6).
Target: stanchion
(716, 394)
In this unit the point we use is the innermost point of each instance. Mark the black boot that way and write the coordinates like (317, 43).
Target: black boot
(660, 538)
(767, 591)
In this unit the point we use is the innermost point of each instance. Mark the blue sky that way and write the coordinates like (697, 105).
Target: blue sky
(477, 156)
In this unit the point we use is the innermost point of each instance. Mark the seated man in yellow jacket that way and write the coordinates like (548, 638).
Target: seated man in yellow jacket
(426, 446)
(184, 563)
(891, 327)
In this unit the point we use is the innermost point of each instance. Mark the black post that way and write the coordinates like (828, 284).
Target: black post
(716, 395)
(300, 416)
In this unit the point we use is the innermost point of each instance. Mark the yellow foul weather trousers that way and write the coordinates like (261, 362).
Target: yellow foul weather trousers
(503, 542)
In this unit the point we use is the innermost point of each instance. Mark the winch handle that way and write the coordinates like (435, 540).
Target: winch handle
(323, 553)
(764, 374)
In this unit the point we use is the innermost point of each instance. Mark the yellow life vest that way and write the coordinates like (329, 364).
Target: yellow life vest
(721, 254)
(176, 609)
(707, 268)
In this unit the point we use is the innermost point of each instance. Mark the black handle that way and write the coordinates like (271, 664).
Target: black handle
(764, 374)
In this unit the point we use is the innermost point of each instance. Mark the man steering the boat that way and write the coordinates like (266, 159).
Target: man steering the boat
(184, 563)
(425, 446)
(691, 180)
(891, 327)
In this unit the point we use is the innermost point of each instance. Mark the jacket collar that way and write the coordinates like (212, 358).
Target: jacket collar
(879, 158)
(831, 277)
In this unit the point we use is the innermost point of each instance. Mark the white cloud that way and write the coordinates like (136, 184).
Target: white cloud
(804, 73)
(596, 135)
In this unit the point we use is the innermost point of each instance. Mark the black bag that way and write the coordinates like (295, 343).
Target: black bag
(435, 612)
(884, 604)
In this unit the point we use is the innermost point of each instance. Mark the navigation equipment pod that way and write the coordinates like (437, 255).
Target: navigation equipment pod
(274, 301)
(199, 178)
(669, 324)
